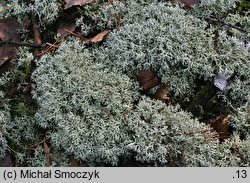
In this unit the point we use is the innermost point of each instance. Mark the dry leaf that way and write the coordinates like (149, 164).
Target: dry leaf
(8, 32)
(7, 162)
(25, 23)
(7, 53)
(147, 79)
(188, 3)
(9, 66)
(69, 3)
(37, 34)
(161, 94)
(221, 126)
(73, 162)
(46, 150)
(99, 37)
(65, 29)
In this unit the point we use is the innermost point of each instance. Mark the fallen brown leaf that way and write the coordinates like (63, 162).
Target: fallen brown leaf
(147, 79)
(25, 23)
(99, 37)
(65, 29)
(221, 126)
(8, 32)
(69, 3)
(188, 3)
(7, 53)
(73, 162)
(46, 150)
(161, 94)
(7, 162)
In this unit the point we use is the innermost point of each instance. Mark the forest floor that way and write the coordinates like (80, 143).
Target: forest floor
(43, 42)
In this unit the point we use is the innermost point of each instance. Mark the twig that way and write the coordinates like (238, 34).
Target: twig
(32, 147)
(74, 34)
(51, 46)
(224, 23)
(12, 149)
(13, 43)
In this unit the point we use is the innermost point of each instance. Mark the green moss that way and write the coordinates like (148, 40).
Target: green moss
(243, 6)
(20, 108)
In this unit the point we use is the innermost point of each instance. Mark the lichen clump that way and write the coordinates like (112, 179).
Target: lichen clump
(90, 106)
(182, 49)
(85, 103)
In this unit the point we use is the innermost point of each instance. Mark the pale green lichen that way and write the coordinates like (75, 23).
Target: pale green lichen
(46, 11)
(181, 49)
(89, 101)
(84, 103)
(168, 136)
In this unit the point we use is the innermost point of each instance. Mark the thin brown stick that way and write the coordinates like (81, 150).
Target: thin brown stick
(213, 19)
(211, 139)
(74, 34)
(211, 134)
(13, 43)
(51, 46)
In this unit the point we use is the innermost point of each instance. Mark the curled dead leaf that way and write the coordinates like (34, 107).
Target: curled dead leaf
(220, 125)
(147, 79)
(25, 23)
(69, 3)
(65, 29)
(161, 94)
(7, 53)
(8, 32)
(73, 161)
(188, 3)
(7, 161)
(46, 150)
(99, 37)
